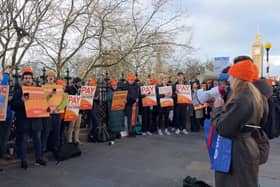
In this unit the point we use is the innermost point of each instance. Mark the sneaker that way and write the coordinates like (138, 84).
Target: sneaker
(24, 164)
(111, 142)
(185, 132)
(160, 132)
(167, 132)
(177, 131)
(173, 129)
(144, 134)
(149, 133)
(41, 162)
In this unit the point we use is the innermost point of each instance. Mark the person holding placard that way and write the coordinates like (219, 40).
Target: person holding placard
(132, 99)
(180, 111)
(116, 117)
(147, 111)
(26, 125)
(5, 126)
(52, 125)
(74, 126)
(166, 104)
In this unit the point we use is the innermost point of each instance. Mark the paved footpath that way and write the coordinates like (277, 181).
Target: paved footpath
(161, 161)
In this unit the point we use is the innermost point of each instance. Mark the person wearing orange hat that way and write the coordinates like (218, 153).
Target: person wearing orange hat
(132, 98)
(52, 125)
(26, 125)
(92, 82)
(116, 118)
(148, 124)
(243, 107)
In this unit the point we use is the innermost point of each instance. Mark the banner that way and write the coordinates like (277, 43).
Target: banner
(150, 99)
(56, 92)
(119, 100)
(166, 101)
(220, 64)
(184, 94)
(73, 107)
(4, 95)
(35, 102)
(87, 95)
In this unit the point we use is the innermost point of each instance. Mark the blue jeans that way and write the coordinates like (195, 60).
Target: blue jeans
(47, 128)
(21, 139)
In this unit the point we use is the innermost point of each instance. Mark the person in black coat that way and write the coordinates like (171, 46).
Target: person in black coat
(26, 125)
(181, 110)
(163, 122)
(132, 98)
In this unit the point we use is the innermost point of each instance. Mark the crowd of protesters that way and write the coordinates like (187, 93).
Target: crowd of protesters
(48, 134)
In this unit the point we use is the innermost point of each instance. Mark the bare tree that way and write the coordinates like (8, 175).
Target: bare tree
(20, 21)
(125, 29)
(70, 21)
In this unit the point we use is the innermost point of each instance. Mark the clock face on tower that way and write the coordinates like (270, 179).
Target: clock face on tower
(257, 51)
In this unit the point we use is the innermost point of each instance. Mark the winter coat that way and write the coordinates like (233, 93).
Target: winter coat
(116, 118)
(133, 93)
(23, 123)
(245, 153)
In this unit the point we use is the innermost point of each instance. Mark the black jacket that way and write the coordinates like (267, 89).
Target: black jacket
(133, 93)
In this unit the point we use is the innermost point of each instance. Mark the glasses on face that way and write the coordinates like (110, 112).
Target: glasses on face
(27, 78)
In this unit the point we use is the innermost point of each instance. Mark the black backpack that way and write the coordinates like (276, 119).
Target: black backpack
(193, 182)
(67, 151)
(101, 134)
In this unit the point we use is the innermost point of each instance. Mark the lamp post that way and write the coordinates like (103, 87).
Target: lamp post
(267, 47)
(43, 76)
(67, 77)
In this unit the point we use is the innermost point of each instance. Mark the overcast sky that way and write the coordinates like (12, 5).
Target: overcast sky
(228, 28)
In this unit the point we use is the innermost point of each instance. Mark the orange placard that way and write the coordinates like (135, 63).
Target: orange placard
(57, 95)
(134, 114)
(73, 107)
(150, 99)
(166, 101)
(36, 103)
(87, 94)
(4, 94)
(119, 100)
(184, 95)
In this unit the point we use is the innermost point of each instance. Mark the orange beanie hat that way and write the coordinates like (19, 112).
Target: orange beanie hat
(131, 77)
(242, 70)
(154, 81)
(27, 70)
(256, 72)
(92, 82)
(60, 82)
(113, 82)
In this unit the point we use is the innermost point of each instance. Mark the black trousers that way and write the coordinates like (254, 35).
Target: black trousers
(146, 119)
(180, 116)
(163, 122)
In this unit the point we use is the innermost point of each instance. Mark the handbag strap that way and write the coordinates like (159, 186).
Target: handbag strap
(253, 126)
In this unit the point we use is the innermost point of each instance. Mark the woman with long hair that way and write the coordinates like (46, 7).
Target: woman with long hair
(235, 119)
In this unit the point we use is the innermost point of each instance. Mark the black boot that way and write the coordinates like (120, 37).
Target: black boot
(24, 164)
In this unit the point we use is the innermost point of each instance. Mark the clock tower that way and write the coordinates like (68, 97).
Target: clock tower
(257, 53)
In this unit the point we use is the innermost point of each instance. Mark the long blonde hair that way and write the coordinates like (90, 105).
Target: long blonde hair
(239, 87)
